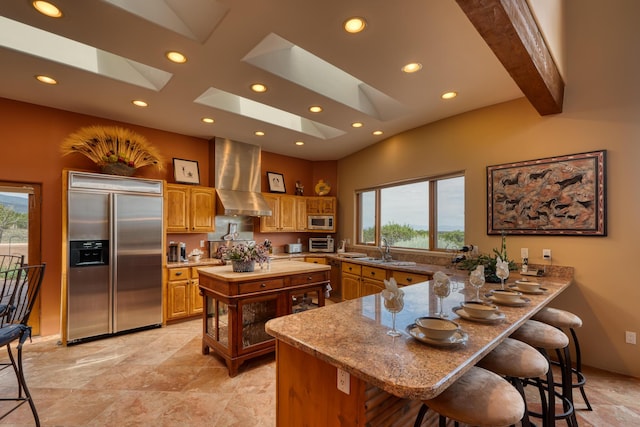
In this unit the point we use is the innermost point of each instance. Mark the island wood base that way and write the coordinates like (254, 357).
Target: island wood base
(307, 394)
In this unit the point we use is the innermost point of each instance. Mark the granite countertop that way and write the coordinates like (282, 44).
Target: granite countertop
(277, 269)
(201, 262)
(351, 335)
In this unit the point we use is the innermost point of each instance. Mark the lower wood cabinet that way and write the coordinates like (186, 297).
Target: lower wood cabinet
(359, 280)
(183, 298)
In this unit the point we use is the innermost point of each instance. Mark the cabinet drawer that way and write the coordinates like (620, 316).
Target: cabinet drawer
(347, 267)
(179, 273)
(404, 278)
(302, 279)
(373, 273)
(262, 285)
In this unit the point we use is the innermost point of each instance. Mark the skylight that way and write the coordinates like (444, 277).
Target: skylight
(226, 101)
(283, 58)
(33, 41)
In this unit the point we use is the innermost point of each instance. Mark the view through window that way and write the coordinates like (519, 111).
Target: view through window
(14, 223)
(404, 214)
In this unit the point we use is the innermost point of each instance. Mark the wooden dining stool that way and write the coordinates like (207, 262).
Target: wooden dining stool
(516, 361)
(548, 338)
(478, 398)
(563, 319)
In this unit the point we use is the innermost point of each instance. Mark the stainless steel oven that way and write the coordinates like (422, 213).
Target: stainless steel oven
(321, 244)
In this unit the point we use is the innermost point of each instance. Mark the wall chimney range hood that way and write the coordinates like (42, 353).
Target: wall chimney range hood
(237, 178)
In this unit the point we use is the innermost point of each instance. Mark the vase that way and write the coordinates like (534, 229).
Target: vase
(243, 266)
(118, 168)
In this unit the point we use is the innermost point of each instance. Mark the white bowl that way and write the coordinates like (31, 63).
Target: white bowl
(437, 328)
(528, 286)
(479, 310)
(194, 258)
(506, 295)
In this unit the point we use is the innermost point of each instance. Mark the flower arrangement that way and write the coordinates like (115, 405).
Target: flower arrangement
(490, 262)
(244, 252)
(116, 150)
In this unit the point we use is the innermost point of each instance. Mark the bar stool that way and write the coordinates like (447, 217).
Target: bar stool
(545, 337)
(479, 398)
(516, 361)
(563, 319)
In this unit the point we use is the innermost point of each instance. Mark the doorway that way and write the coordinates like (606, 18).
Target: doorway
(20, 228)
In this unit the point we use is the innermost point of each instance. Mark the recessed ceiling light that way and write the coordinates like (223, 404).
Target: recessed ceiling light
(377, 132)
(449, 95)
(299, 143)
(46, 8)
(354, 25)
(315, 108)
(176, 57)
(412, 67)
(139, 103)
(356, 125)
(208, 120)
(46, 79)
(258, 87)
(259, 133)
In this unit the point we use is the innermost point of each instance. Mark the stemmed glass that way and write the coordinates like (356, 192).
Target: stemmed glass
(394, 303)
(502, 271)
(476, 279)
(442, 289)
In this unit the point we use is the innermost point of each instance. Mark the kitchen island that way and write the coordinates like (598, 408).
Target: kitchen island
(387, 377)
(237, 305)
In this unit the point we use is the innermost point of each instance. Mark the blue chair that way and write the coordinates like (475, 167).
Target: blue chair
(19, 291)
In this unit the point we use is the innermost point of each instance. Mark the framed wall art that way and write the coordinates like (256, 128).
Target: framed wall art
(562, 195)
(276, 182)
(186, 171)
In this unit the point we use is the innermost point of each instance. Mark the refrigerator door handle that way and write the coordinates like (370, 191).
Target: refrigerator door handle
(113, 267)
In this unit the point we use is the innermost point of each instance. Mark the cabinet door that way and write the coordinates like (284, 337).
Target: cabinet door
(253, 314)
(316, 260)
(203, 209)
(370, 287)
(350, 286)
(269, 224)
(178, 299)
(328, 205)
(301, 214)
(404, 278)
(196, 301)
(177, 206)
(287, 213)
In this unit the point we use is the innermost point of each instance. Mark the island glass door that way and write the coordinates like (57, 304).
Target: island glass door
(253, 313)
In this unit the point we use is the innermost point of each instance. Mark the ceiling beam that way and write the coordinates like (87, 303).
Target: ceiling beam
(511, 32)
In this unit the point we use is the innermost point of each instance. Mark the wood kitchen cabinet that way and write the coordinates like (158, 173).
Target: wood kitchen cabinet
(183, 298)
(283, 218)
(359, 280)
(301, 213)
(372, 280)
(404, 278)
(321, 205)
(190, 209)
(351, 280)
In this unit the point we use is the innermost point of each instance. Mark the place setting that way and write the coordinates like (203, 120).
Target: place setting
(508, 297)
(478, 311)
(527, 287)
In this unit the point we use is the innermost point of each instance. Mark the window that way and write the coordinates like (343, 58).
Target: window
(405, 213)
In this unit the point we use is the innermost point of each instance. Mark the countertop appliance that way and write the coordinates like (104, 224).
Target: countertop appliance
(114, 279)
(320, 222)
(321, 244)
(293, 248)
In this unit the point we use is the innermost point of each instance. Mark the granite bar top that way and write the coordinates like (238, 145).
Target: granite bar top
(351, 335)
(277, 269)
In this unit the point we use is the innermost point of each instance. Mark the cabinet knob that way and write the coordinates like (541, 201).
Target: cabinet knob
(309, 278)
(373, 273)
(264, 285)
(179, 273)
(409, 279)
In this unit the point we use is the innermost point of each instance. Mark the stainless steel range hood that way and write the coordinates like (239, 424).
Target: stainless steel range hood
(237, 179)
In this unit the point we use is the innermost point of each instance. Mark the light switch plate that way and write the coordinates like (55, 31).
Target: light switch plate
(524, 253)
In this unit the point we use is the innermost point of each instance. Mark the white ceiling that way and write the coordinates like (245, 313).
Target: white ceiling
(218, 36)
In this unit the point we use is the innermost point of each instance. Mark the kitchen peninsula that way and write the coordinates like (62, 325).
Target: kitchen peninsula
(387, 377)
(237, 305)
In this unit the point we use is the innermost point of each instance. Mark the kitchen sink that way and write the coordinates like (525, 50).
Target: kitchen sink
(386, 262)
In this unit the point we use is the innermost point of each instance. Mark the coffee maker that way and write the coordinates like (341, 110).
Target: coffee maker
(183, 251)
(174, 252)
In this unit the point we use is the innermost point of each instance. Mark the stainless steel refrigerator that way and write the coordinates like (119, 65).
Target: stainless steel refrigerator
(114, 279)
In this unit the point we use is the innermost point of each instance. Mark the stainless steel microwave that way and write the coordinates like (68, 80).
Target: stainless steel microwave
(321, 244)
(320, 222)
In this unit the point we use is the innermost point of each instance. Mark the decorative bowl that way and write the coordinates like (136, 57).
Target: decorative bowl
(506, 295)
(528, 286)
(437, 328)
(478, 309)
(194, 258)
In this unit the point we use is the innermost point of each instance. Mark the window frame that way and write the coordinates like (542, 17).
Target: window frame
(433, 209)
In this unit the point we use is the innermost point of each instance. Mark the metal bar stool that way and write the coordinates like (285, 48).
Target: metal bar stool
(516, 361)
(479, 398)
(18, 293)
(545, 337)
(563, 319)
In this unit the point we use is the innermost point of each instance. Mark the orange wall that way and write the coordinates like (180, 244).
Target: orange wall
(30, 140)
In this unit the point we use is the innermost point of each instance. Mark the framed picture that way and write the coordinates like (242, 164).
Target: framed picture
(562, 195)
(186, 171)
(276, 182)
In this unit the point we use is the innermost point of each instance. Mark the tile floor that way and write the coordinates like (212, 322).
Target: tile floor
(160, 378)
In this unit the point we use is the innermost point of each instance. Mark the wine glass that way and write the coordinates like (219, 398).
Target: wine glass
(502, 271)
(394, 303)
(476, 279)
(442, 289)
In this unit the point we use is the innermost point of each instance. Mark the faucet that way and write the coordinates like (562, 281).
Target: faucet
(385, 253)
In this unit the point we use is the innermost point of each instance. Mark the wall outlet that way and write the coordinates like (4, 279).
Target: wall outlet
(629, 337)
(202, 243)
(546, 254)
(344, 381)
(524, 253)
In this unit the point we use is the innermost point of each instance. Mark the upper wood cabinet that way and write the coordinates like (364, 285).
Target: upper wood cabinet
(284, 214)
(190, 209)
(321, 205)
(301, 213)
